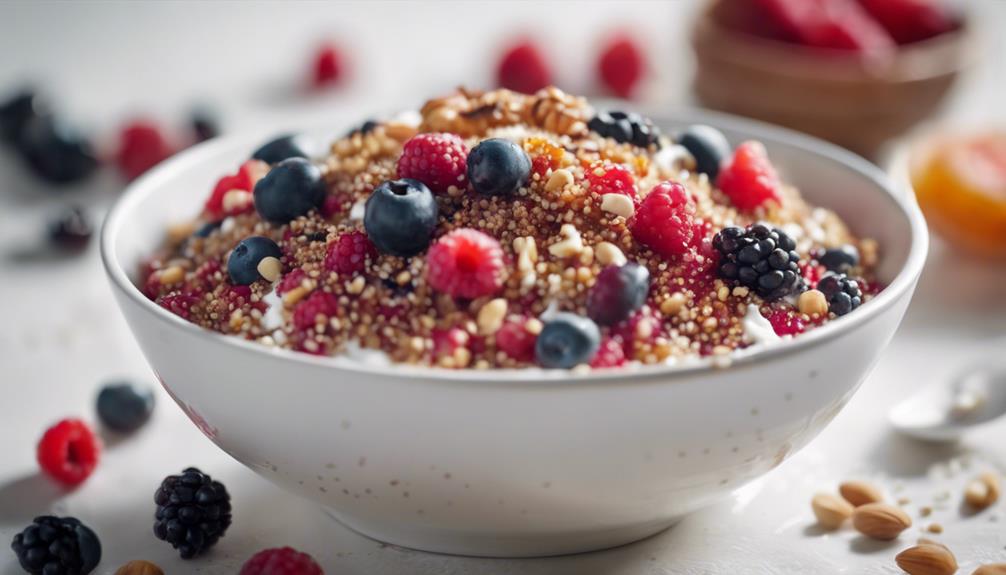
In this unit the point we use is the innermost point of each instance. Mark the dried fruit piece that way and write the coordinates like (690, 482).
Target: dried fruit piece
(927, 559)
(880, 521)
(831, 511)
(860, 493)
(982, 491)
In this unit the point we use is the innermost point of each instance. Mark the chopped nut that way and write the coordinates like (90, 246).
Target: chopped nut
(533, 326)
(608, 254)
(880, 521)
(982, 491)
(179, 232)
(270, 268)
(356, 286)
(934, 528)
(927, 559)
(813, 302)
(172, 275)
(618, 204)
(399, 131)
(490, 317)
(295, 295)
(558, 180)
(831, 511)
(236, 200)
(570, 245)
(860, 493)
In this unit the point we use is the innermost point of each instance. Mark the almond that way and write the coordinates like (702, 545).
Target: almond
(982, 491)
(927, 560)
(831, 511)
(991, 569)
(880, 521)
(860, 493)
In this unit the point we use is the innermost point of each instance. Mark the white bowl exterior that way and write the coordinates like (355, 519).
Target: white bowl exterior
(528, 466)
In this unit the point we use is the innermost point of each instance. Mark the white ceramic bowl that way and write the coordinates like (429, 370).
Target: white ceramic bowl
(517, 463)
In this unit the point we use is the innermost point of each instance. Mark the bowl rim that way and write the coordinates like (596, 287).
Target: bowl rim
(902, 284)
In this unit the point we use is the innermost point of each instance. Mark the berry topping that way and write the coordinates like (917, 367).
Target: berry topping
(567, 340)
(523, 68)
(283, 148)
(281, 561)
(193, 512)
(316, 308)
(327, 69)
(498, 167)
(663, 221)
(435, 159)
(609, 354)
(749, 179)
(762, 258)
(142, 145)
(400, 217)
(349, 253)
(840, 259)
(57, 546)
(608, 178)
(291, 189)
(55, 152)
(17, 112)
(205, 125)
(621, 66)
(179, 304)
(252, 260)
(912, 20)
(244, 180)
(515, 340)
(619, 291)
(72, 230)
(708, 146)
(842, 292)
(125, 406)
(835, 24)
(466, 263)
(69, 451)
(785, 322)
(627, 128)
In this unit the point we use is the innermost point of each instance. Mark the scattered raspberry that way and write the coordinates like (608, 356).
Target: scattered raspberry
(319, 304)
(523, 68)
(281, 561)
(785, 322)
(749, 179)
(811, 273)
(328, 67)
(516, 341)
(142, 146)
(335, 205)
(68, 452)
(541, 165)
(435, 159)
(446, 341)
(663, 221)
(245, 179)
(349, 253)
(291, 280)
(466, 263)
(912, 20)
(610, 354)
(643, 327)
(178, 303)
(621, 66)
(609, 178)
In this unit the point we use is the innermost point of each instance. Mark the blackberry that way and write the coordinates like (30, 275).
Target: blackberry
(841, 291)
(57, 546)
(626, 128)
(760, 257)
(193, 512)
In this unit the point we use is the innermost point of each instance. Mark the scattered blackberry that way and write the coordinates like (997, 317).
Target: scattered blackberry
(840, 259)
(626, 128)
(842, 292)
(57, 546)
(760, 257)
(71, 230)
(193, 512)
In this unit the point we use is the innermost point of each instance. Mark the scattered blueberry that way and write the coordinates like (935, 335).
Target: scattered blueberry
(193, 512)
(208, 228)
(56, 152)
(283, 148)
(708, 146)
(242, 264)
(627, 128)
(124, 406)
(291, 189)
(840, 259)
(842, 292)
(400, 217)
(567, 340)
(71, 230)
(16, 112)
(57, 545)
(205, 125)
(619, 291)
(760, 257)
(497, 167)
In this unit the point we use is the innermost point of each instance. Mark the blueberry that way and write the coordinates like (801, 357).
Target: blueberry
(71, 230)
(283, 148)
(619, 291)
(125, 407)
(567, 340)
(291, 189)
(56, 152)
(708, 146)
(400, 217)
(208, 228)
(497, 167)
(205, 125)
(243, 263)
(17, 112)
(840, 259)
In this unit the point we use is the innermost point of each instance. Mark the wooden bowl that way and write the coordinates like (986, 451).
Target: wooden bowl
(854, 101)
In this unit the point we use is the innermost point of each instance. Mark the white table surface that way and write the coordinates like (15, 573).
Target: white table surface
(64, 336)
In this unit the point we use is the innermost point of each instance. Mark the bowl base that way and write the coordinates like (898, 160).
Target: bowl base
(500, 545)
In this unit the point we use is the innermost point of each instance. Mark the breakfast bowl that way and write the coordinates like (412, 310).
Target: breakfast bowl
(518, 462)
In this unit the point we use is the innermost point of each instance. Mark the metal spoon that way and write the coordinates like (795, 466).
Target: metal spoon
(944, 410)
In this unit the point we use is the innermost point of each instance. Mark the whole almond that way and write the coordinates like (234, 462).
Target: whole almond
(927, 560)
(991, 569)
(880, 521)
(139, 568)
(982, 491)
(831, 511)
(860, 493)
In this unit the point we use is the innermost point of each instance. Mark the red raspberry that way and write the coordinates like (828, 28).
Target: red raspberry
(333, 205)
(245, 179)
(281, 561)
(178, 303)
(446, 341)
(609, 178)
(291, 280)
(663, 221)
(141, 147)
(318, 304)
(785, 322)
(438, 160)
(621, 66)
(466, 263)
(328, 68)
(516, 341)
(541, 165)
(349, 253)
(629, 331)
(811, 273)
(69, 451)
(835, 24)
(523, 68)
(610, 354)
(749, 179)
(911, 20)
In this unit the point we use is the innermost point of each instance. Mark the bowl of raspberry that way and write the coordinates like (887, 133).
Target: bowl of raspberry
(514, 325)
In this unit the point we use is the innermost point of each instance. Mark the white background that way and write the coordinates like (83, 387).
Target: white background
(63, 337)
